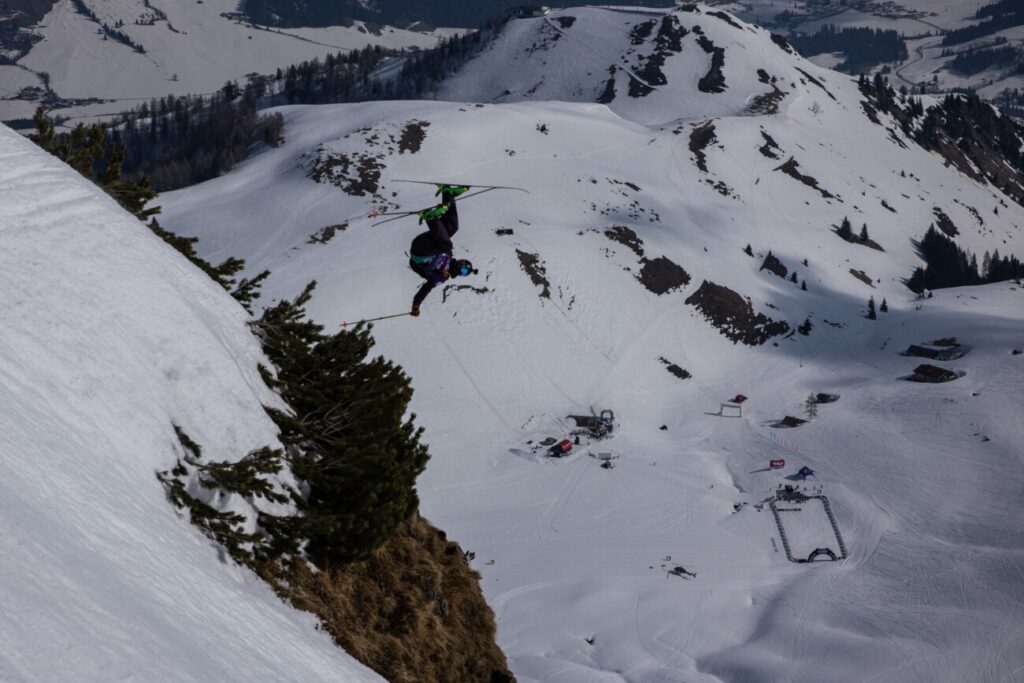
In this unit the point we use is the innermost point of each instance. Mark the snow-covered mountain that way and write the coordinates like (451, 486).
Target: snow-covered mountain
(161, 48)
(929, 62)
(110, 340)
(625, 284)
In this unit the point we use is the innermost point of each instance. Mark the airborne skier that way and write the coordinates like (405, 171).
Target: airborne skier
(430, 254)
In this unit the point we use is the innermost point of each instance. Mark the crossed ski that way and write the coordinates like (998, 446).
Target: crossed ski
(395, 215)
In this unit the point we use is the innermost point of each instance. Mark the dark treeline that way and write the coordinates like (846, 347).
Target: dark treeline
(1000, 8)
(862, 47)
(463, 13)
(1000, 15)
(973, 62)
(179, 141)
(950, 266)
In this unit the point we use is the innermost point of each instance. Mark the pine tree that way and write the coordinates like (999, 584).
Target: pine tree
(803, 285)
(864, 233)
(806, 327)
(845, 229)
(792, 278)
(748, 251)
(871, 309)
(884, 308)
(358, 455)
(811, 407)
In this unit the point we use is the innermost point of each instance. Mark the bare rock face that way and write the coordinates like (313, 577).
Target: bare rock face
(734, 316)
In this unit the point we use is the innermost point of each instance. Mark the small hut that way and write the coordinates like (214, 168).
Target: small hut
(932, 374)
(946, 353)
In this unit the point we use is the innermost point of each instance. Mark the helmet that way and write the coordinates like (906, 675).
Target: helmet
(462, 267)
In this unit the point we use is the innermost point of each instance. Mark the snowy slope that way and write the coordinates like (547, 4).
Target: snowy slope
(922, 22)
(925, 480)
(190, 48)
(109, 337)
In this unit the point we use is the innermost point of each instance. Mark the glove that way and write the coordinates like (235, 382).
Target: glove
(415, 312)
(452, 190)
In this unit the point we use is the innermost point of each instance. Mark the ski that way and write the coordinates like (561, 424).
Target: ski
(395, 215)
(476, 187)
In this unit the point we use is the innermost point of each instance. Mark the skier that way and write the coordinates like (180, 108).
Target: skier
(430, 254)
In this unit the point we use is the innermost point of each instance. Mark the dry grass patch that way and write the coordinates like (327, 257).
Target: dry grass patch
(413, 612)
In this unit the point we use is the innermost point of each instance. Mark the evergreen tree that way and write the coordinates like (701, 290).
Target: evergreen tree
(864, 233)
(748, 251)
(803, 285)
(884, 308)
(871, 309)
(792, 278)
(805, 328)
(811, 407)
(845, 229)
(357, 454)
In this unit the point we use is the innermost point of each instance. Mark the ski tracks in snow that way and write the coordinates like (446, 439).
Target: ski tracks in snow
(617, 60)
(546, 522)
(476, 387)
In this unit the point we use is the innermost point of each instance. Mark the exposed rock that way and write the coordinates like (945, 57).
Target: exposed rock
(770, 147)
(767, 104)
(607, 96)
(675, 369)
(700, 138)
(325, 234)
(413, 135)
(816, 82)
(448, 289)
(357, 174)
(668, 42)
(790, 169)
(534, 267)
(734, 316)
(726, 18)
(714, 80)
(863, 277)
(661, 275)
(626, 237)
(782, 43)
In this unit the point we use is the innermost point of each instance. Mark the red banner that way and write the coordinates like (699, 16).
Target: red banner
(776, 464)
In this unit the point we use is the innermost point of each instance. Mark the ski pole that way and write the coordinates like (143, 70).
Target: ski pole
(373, 320)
